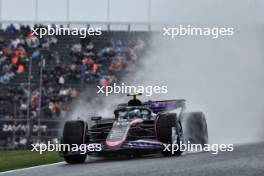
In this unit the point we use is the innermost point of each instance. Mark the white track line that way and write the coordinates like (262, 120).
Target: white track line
(28, 168)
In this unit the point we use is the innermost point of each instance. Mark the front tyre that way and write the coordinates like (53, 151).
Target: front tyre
(74, 133)
(169, 131)
(75, 159)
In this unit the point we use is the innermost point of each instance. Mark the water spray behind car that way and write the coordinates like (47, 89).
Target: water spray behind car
(224, 78)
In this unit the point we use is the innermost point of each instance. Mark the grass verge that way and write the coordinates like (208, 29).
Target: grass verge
(16, 159)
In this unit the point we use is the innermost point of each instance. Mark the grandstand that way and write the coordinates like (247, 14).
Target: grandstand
(61, 60)
(64, 74)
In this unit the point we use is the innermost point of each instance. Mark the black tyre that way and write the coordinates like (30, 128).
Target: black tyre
(169, 131)
(75, 159)
(74, 133)
(195, 128)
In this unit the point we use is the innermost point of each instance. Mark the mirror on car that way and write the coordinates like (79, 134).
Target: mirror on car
(96, 118)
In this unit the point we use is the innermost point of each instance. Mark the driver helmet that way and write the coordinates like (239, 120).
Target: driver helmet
(134, 113)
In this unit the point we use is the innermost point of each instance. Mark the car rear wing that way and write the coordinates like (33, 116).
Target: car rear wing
(165, 105)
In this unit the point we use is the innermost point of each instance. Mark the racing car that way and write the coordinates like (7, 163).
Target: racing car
(136, 128)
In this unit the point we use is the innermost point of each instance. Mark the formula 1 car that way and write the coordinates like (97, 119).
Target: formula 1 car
(136, 129)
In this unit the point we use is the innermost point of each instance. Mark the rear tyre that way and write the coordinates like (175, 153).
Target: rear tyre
(195, 128)
(169, 131)
(74, 133)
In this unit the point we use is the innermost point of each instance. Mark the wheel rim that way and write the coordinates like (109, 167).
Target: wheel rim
(174, 135)
(180, 132)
